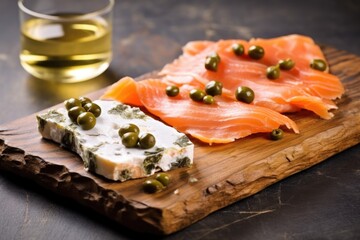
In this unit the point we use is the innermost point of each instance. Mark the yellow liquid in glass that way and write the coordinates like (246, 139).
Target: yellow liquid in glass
(65, 51)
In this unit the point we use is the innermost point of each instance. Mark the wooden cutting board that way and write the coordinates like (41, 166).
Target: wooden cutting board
(224, 173)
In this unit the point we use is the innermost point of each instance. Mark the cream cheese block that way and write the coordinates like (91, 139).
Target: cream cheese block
(101, 148)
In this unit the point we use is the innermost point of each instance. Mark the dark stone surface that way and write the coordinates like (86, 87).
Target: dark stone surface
(320, 203)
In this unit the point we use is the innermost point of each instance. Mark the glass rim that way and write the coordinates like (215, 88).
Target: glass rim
(84, 16)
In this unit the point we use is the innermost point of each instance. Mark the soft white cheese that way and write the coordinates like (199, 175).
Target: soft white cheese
(101, 148)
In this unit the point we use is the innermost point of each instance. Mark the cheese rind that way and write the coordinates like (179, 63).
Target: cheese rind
(102, 151)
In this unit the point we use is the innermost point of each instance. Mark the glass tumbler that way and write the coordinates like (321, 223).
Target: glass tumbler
(65, 40)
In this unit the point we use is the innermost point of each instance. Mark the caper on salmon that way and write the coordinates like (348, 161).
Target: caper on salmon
(286, 64)
(72, 102)
(216, 56)
(244, 94)
(273, 72)
(318, 64)
(197, 95)
(276, 134)
(147, 141)
(238, 49)
(93, 108)
(256, 52)
(84, 100)
(74, 112)
(163, 178)
(130, 127)
(130, 139)
(172, 91)
(213, 88)
(208, 99)
(152, 186)
(212, 61)
(86, 120)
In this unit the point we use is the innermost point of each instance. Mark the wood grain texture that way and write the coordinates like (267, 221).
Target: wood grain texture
(225, 173)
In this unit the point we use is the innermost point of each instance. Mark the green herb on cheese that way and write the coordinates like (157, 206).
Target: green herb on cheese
(127, 112)
(181, 162)
(90, 161)
(183, 141)
(125, 175)
(67, 140)
(150, 162)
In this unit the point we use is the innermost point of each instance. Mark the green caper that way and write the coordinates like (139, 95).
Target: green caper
(74, 112)
(276, 134)
(86, 120)
(212, 62)
(238, 49)
(147, 140)
(216, 56)
(213, 88)
(273, 72)
(172, 91)
(244, 94)
(84, 100)
(152, 186)
(163, 178)
(318, 64)
(256, 52)
(208, 99)
(286, 64)
(130, 127)
(72, 102)
(197, 95)
(130, 139)
(93, 108)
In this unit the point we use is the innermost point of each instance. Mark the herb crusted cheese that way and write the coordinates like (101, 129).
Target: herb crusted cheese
(102, 151)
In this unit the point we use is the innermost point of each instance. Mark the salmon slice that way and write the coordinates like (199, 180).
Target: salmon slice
(222, 122)
(124, 91)
(228, 119)
(302, 82)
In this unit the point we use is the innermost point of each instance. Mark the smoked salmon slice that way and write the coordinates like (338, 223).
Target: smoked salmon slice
(228, 119)
(312, 86)
(222, 122)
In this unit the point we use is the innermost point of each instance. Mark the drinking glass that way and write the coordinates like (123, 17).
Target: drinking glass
(65, 40)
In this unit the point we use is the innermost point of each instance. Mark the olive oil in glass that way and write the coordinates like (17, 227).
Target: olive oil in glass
(65, 51)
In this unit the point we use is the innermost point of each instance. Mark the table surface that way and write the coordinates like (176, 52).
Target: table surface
(321, 202)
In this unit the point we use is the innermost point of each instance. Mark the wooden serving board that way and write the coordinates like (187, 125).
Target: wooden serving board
(226, 173)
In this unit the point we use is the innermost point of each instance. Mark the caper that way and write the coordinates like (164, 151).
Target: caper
(216, 56)
(256, 52)
(244, 94)
(147, 140)
(208, 99)
(84, 100)
(213, 88)
(172, 91)
(273, 72)
(93, 108)
(74, 112)
(238, 49)
(163, 178)
(130, 127)
(286, 64)
(197, 95)
(130, 139)
(152, 186)
(318, 64)
(86, 120)
(276, 134)
(212, 61)
(72, 102)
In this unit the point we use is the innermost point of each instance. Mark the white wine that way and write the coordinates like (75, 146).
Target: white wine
(65, 51)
